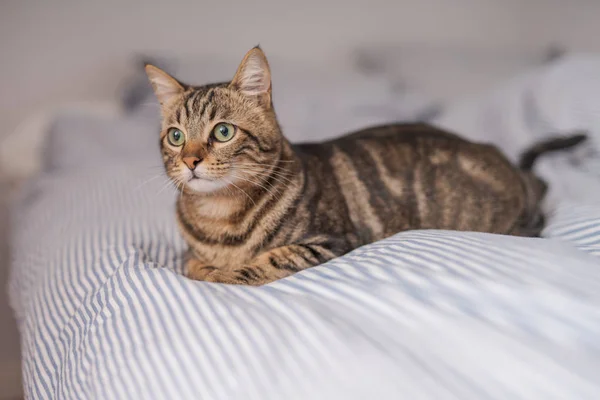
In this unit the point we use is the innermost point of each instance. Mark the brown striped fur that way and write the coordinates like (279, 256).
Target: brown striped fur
(257, 208)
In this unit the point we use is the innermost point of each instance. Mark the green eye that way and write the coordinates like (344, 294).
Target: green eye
(224, 132)
(176, 137)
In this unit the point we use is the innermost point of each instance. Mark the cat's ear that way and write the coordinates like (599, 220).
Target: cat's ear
(166, 88)
(253, 77)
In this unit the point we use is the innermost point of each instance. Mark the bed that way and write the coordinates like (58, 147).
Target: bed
(104, 311)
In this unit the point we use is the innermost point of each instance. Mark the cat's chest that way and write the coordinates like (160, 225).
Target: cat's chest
(219, 244)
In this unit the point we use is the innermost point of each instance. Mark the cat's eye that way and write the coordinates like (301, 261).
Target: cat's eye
(223, 132)
(175, 137)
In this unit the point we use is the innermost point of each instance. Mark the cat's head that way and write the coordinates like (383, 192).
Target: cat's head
(222, 135)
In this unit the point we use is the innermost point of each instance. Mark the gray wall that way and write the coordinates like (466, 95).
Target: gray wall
(71, 50)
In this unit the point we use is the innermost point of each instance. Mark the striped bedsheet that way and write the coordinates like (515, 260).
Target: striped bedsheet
(105, 313)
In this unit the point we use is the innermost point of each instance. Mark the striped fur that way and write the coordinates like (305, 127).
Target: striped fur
(257, 208)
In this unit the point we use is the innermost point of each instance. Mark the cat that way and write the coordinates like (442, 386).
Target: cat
(255, 208)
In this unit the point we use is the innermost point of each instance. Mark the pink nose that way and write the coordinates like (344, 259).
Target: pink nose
(191, 162)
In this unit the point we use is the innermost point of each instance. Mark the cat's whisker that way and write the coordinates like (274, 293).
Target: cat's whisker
(165, 186)
(231, 192)
(277, 192)
(138, 187)
(273, 165)
(168, 184)
(179, 186)
(275, 162)
(267, 174)
(243, 191)
(280, 170)
(165, 180)
(270, 166)
(275, 171)
(234, 175)
(272, 186)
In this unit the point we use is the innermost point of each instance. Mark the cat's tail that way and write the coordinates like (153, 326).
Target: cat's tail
(530, 155)
(533, 221)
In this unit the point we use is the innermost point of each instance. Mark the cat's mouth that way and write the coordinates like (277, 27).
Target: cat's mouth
(197, 175)
(202, 178)
(204, 184)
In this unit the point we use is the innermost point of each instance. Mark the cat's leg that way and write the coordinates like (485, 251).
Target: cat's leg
(280, 262)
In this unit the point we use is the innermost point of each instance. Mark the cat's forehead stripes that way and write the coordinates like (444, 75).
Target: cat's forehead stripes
(177, 116)
(187, 104)
(207, 100)
(198, 104)
(193, 100)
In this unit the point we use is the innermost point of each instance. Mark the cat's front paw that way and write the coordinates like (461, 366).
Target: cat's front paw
(219, 276)
(241, 276)
(196, 270)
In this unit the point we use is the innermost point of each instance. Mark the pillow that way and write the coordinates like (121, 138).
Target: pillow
(448, 72)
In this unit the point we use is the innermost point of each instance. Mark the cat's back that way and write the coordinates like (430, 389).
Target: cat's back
(410, 176)
(405, 135)
(399, 132)
(394, 148)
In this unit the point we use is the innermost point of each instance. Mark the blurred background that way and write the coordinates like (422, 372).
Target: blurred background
(88, 54)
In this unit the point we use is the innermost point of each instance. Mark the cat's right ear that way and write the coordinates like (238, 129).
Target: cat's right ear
(166, 88)
(253, 77)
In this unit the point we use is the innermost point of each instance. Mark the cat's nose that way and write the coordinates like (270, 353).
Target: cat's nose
(191, 162)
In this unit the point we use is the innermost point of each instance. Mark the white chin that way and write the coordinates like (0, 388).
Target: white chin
(205, 186)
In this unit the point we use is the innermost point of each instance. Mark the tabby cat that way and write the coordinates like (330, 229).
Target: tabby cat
(255, 208)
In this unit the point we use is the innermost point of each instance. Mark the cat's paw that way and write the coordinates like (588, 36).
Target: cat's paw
(241, 276)
(219, 276)
(196, 270)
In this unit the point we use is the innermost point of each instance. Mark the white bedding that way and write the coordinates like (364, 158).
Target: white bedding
(105, 313)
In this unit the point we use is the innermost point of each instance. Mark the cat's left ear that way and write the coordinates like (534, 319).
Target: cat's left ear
(253, 77)
(166, 88)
